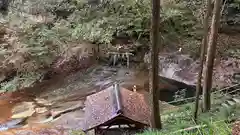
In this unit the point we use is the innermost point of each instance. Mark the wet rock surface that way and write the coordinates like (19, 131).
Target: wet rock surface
(38, 130)
(23, 110)
(60, 102)
(14, 123)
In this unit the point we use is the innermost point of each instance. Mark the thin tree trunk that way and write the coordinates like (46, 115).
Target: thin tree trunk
(211, 56)
(153, 80)
(208, 11)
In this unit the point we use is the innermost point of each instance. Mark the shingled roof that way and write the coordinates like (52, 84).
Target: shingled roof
(100, 108)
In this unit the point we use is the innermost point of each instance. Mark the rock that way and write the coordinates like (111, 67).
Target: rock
(2, 77)
(49, 119)
(236, 77)
(37, 130)
(43, 102)
(23, 110)
(81, 56)
(71, 120)
(11, 124)
(184, 69)
(9, 66)
(67, 107)
(40, 119)
(14, 122)
(41, 110)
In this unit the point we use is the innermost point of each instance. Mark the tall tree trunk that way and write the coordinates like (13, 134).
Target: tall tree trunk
(211, 56)
(208, 11)
(153, 80)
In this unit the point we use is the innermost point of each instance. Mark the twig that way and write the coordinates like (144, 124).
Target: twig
(190, 128)
(197, 128)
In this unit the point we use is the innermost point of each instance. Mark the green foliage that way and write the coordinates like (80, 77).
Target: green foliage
(9, 86)
(220, 128)
(132, 18)
(210, 123)
(36, 45)
(20, 81)
(102, 22)
(99, 24)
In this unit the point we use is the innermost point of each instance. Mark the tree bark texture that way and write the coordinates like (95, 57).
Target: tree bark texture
(155, 121)
(211, 51)
(208, 11)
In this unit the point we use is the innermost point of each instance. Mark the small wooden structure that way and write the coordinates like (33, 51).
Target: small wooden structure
(113, 109)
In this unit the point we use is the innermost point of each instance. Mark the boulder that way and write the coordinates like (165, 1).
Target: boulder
(184, 69)
(23, 110)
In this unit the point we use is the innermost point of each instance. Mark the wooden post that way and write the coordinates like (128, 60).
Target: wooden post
(211, 56)
(153, 80)
(208, 11)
